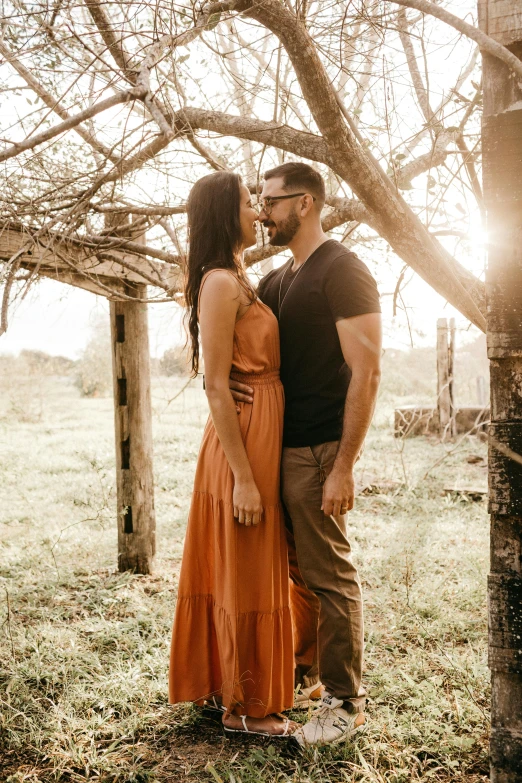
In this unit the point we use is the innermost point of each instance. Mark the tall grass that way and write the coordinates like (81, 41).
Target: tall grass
(84, 649)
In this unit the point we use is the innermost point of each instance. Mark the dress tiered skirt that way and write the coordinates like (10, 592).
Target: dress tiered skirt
(232, 635)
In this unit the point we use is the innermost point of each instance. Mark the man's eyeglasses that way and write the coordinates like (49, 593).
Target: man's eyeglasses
(267, 204)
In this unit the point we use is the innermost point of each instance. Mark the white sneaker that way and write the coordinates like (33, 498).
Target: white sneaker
(329, 724)
(308, 697)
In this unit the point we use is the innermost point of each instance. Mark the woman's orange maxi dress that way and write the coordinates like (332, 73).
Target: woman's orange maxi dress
(232, 635)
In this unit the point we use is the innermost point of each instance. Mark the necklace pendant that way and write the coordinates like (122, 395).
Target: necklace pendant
(296, 274)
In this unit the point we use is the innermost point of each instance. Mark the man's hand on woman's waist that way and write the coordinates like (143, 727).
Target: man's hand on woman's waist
(240, 391)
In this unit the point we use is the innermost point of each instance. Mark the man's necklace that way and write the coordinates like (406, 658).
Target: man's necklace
(280, 302)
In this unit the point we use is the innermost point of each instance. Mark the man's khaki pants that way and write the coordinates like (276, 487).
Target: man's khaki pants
(326, 593)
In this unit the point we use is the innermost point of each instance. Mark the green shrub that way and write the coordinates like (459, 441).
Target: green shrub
(94, 368)
(174, 361)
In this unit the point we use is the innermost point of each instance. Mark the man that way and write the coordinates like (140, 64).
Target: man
(328, 309)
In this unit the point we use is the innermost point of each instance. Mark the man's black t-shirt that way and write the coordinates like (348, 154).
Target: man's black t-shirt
(332, 284)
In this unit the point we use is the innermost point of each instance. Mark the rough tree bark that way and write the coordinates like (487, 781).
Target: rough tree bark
(502, 150)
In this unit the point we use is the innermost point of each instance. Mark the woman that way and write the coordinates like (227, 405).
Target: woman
(232, 636)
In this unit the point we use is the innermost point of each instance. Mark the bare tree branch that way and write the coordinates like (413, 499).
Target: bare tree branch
(391, 215)
(467, 157)
(109, 243)
(211, 158)
(486, 43)
(51, 102)
(429, 160)
(115, 46)
(156, 50)
(306, 145)
(411, 59)
(155, 279)
(466, 72)
(132, 210)
(33, 141)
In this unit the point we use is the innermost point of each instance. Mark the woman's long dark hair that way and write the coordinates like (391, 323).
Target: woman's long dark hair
(214, 241)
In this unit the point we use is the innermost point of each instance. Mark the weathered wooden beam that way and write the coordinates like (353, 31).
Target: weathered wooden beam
(66, 261)
(501, 19)
(502, 157)
(133, 431)
(104, 286)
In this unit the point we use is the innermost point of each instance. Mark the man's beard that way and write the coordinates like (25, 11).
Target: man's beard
(285, 231)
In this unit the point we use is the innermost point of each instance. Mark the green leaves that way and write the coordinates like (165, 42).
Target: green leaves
(213, 21)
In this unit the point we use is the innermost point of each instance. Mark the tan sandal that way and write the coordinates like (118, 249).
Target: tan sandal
(246, 730)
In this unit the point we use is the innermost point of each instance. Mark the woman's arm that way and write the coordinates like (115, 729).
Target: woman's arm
(219, 303)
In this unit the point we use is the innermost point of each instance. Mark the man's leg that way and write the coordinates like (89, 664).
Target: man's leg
(305, 615)
(325, 564)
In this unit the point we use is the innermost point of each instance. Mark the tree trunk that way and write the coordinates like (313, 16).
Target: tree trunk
(502, 149)
(133, 426)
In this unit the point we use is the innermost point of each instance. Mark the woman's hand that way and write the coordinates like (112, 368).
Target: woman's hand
(247, 503)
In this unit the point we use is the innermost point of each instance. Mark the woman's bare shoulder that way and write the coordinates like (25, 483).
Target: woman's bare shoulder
(220, 281)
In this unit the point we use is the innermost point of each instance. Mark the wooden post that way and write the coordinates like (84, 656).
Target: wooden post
(445, 358)
(133, 426)
(451, 376)
(443, 387)
(443, 392)
(133, 429)
(502, 153)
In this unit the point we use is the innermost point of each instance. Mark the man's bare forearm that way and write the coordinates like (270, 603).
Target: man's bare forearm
(358, 413)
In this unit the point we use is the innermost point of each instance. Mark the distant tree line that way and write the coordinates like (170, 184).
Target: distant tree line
(92, 371)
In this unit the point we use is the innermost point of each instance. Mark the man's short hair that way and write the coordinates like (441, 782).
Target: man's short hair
(300, 177)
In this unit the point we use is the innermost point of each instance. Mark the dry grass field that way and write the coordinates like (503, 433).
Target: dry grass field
(84, 649)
